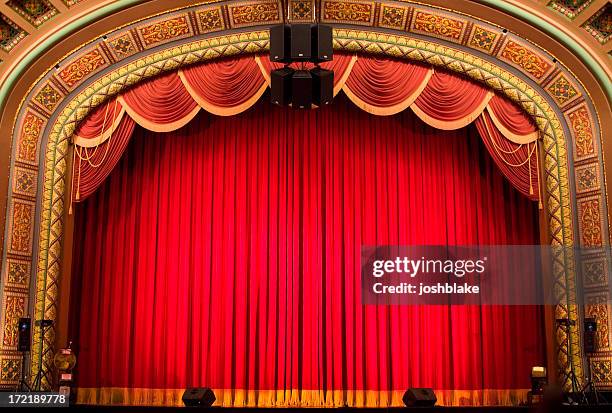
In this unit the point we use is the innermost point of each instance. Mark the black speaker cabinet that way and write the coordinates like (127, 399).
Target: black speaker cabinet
(280, 85)
(420, 398)
(199, 396)
(280, 43)
(322, 44)
(301, 42)
(590, 332)
(25, 328)
(322, 86)
(301, 90)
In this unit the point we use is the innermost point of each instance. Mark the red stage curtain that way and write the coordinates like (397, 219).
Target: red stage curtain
(161, 104)
(93, 161)
(383, 86)
(225, 87)
(451, 102)
(518, 162)
(227, 254)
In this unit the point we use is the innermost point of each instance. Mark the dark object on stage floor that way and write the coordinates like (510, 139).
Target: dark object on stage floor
(590, 331)
(323, 86)
(301, 90)
(25, 327)
(280, 43)
(419, 398)
(280, 80)
(199, 397)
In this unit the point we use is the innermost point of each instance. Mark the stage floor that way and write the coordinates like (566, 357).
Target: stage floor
(135, 409)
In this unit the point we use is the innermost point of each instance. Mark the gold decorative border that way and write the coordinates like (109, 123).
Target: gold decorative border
(558, 196)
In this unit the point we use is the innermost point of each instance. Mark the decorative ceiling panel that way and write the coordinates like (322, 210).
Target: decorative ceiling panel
(570, 8)
(35, 11)
(600, 24)
(10, 33)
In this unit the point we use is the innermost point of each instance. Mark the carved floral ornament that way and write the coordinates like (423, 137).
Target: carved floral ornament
(79, 77)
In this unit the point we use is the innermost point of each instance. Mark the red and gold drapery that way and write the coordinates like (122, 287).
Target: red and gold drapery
(227, 254)
(380, 86)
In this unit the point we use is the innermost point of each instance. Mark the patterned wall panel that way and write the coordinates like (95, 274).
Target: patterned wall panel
(254, 13)
(122, 45)
(164, 30)
(392, 16)
(581, 124)
(30, 130)
(438, 25)
(14, 306)
(210, 19)
(597, 306)
(521, 55)
(587, 178)
(563, 90)
(348, 11)
(301, 11)
(74, 72)
(484, 38)
(595, 272)
(591, 221)
(17, 273)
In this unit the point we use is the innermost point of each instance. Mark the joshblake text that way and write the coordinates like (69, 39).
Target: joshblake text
(421, 289)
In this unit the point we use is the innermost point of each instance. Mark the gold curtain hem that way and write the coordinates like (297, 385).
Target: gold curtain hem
(388, 110)
(158, 127)
(297, 398)
(512, 137)
(456, 124)
(97, 141)
(222, 110)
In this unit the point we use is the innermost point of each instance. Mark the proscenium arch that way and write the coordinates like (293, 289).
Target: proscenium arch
(111, 84)
(54, 167)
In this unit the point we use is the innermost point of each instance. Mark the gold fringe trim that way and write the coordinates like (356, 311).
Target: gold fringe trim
(512, 137)
(158, 127)
(349, 69)
(389, 110)
(222, 110)
(456, 124)
(297, 398)
(264, 71)
(92, 142)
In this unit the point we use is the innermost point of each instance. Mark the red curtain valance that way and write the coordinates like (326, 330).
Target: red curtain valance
(381, 86)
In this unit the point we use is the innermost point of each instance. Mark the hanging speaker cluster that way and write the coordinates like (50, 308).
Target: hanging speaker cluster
(297, 86)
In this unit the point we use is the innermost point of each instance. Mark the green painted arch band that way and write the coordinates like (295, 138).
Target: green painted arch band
(513, 10)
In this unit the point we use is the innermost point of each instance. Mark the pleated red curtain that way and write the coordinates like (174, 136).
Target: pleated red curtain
(227, 254)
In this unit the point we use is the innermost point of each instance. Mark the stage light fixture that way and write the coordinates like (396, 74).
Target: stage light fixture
(539, 379)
